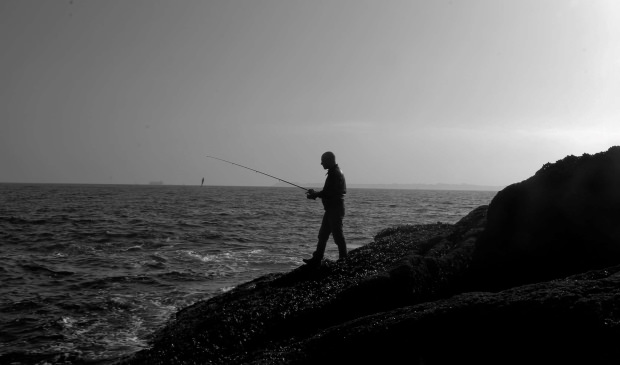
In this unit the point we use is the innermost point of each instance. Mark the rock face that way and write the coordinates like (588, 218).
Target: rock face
(563, 220)
(569, 321)
(533, 278)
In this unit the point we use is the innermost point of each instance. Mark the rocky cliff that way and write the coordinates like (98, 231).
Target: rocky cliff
(532, 278)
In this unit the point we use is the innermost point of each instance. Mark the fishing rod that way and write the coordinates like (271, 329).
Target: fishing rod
(260, 172)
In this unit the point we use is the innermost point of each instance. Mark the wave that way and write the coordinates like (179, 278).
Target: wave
(40, 269)
(111, 281)
(20, 305)
(179, 276)
(121, 234)
(19, 220)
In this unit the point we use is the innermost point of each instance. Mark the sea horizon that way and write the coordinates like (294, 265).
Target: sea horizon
(386, 186)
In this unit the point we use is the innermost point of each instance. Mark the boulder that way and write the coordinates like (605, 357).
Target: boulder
(563, 220)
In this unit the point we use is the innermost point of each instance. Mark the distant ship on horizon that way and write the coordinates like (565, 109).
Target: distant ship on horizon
(156, 182)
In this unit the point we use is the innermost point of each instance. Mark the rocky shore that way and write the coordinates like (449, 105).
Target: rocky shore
(532, 278)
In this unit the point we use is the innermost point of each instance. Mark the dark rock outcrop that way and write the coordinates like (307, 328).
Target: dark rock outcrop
(563, 220)
(533, 278)
(575, 320)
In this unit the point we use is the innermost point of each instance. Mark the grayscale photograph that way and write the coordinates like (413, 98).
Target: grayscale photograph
(304, 182)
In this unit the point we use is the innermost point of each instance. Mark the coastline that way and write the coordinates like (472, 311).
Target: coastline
(439, 186)
(263, 315)
(521, 280)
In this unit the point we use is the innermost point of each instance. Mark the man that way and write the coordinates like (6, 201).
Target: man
(332, 197)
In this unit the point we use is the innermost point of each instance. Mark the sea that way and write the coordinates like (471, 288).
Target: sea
(89, 272)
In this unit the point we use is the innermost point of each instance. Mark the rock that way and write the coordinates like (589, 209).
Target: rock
(575, 320)
(563, 220)
(430, 271)
(270, 311)
(532, 278)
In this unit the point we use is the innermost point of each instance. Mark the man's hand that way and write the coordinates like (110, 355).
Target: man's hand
(311, 194)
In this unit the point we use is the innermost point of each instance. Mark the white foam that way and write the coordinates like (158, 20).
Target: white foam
(68, 322)
(205, 258)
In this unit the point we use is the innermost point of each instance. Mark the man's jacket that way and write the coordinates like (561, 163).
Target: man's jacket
(333, 191)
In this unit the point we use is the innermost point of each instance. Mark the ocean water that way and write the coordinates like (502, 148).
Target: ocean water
(87, 272)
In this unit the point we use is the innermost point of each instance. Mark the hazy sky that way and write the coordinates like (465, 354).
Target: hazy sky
(478, 92)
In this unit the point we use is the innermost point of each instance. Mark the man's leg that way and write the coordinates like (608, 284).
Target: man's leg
(324, 233)
(337, 233)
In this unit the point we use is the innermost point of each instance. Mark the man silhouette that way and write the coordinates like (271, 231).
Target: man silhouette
(332, 197)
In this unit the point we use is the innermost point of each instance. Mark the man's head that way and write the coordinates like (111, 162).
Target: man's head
(328, 160)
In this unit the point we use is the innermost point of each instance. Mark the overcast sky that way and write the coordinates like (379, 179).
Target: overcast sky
(477, 92)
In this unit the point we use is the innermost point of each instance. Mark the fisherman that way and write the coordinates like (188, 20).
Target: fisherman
(332, 197)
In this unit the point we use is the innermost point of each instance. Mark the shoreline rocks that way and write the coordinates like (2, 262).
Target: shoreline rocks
(573, 320)
(563, 220)
(534, 277)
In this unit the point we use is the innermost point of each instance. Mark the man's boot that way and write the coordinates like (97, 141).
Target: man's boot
(314, 261)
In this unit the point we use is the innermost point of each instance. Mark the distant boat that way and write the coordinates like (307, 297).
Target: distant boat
(156, 183)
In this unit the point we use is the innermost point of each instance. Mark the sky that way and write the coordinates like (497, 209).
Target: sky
(474, 91)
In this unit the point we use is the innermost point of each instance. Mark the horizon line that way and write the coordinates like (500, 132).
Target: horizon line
(412, 186)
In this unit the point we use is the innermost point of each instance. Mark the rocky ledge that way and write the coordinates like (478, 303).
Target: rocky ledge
(532, 278)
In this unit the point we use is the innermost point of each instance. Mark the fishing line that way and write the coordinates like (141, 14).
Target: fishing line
(260, 172)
